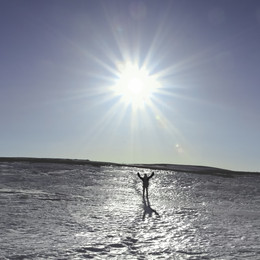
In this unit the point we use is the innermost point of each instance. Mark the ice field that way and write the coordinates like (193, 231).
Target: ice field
(69, 211)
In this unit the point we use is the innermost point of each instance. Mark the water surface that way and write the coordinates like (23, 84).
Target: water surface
(59, 211)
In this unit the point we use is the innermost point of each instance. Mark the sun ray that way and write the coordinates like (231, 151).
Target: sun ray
(131, 87)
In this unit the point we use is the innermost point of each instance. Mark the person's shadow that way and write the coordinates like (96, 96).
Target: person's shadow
(148, 210)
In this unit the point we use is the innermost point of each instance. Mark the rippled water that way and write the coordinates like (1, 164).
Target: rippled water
(55, 211)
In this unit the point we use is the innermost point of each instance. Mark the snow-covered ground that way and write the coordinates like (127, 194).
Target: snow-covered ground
(62, 211)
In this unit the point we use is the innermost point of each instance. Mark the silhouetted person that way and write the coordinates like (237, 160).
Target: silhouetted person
(145, 180)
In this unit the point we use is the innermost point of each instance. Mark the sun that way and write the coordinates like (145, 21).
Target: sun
(135, 85)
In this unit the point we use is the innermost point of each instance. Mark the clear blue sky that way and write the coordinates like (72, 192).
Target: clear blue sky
(60, 60)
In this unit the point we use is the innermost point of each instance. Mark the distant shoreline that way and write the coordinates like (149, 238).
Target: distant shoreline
(166, 167)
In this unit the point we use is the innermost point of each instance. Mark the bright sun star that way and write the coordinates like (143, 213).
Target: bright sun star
(135, 86)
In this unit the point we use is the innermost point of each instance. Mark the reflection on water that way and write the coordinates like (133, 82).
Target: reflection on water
(78, 212)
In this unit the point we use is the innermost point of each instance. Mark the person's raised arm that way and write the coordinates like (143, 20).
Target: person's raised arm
(151, 175)
(138, 174)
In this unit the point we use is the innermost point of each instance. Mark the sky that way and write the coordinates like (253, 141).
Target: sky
(131, 81)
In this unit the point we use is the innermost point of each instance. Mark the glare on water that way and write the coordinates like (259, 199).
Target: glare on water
(60, 211)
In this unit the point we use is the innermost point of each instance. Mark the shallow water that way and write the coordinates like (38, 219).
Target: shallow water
(56, 211)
